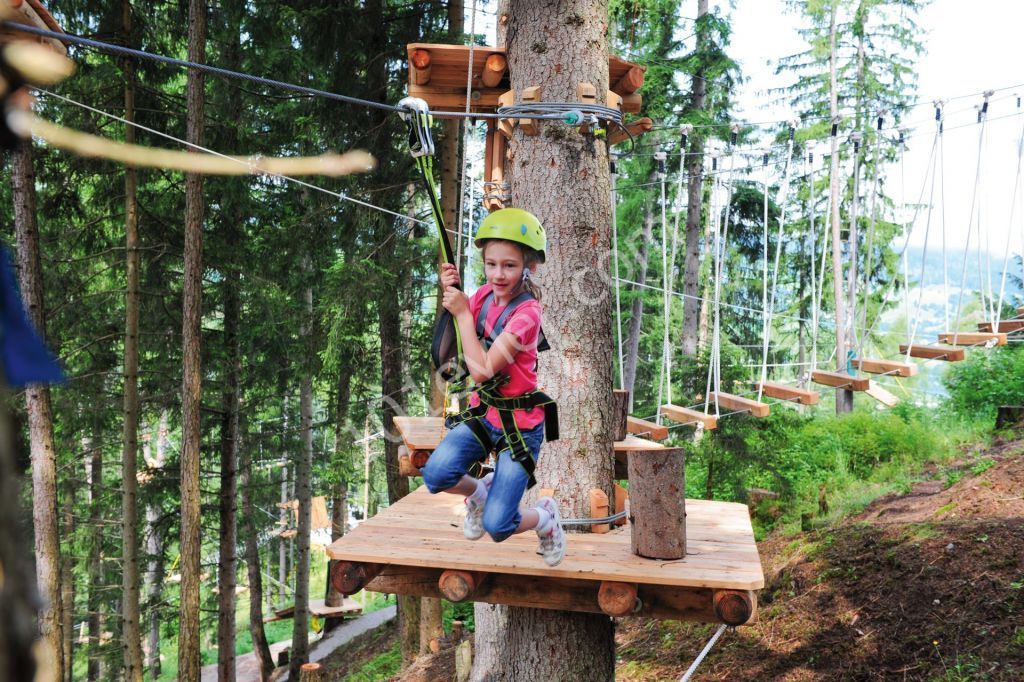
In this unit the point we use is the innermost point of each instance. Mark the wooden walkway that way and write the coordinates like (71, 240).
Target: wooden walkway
(409, 547)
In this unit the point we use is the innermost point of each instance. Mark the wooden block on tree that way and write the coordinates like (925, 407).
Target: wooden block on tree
(973, 338)
(900, 369)
(738, 403)
(630, 82)
(621, 413)
(621, 495)
(637, 128)
(613, 100)
(657, 485)
(646, 429)
(631, 103)
(530, 94)
(784, 392)
(839, 380)
(684, 415)
(599, 510)
(937, 352)
(505, 125)
(1005, 326)
(494, 70)
(419, 67)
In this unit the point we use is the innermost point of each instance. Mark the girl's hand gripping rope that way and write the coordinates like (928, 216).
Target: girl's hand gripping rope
(449, 276)
(456, 302)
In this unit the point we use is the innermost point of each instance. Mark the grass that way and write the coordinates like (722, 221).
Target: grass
(380, 667)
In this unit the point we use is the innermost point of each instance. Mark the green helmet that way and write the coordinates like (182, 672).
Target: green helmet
(514, 225)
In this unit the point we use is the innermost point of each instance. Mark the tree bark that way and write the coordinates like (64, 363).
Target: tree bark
(303, 490)
(228, 568)
(252, 564)
(191, 542)
(94, 563)
(40, 412)
(562, 176)
(131, 632)
(694, 194)
(154, 550)
(67, 582)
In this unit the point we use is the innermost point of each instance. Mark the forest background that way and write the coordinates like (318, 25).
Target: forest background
(314, 312)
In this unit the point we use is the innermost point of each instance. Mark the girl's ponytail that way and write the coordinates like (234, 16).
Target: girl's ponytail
(530, 257)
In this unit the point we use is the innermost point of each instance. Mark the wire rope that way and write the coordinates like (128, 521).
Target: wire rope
(465, 130)
(1009, 231)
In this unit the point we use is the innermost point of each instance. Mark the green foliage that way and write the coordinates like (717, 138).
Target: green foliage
(381, 667)
(986, 380)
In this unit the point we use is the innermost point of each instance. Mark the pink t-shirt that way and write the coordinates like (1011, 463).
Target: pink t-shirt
(525, 324)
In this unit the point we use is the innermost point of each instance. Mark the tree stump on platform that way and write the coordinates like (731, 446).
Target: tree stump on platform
(657, 502)
(621, 413)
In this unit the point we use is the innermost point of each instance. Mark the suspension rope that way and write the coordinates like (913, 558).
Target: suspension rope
(784, 202)
(666, 280)
(704, 652)
(1009, 231)
(466, 129)
(872, 218)
(929, 171)
(721, 241)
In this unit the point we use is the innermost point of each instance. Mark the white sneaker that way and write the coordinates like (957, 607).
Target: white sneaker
(473, 526)
(552, 540)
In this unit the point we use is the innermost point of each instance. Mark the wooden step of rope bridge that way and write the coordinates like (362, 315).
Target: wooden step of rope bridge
(888, 367)
(1005, 326)
(735, 403)
(688, 416)
(416, 547)
(422, 435)
(318, 607)
(973, 338)
(840, 380)
(789, 393)
(936, 352)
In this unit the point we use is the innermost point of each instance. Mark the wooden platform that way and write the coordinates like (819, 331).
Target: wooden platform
(936, 352)
(840, 380)
(443, 86)
(972, 338)
(318, 608)
(407, 547)
(685, 415)
(889, 367)
(790, 393)
(646, 429)
(735, 403)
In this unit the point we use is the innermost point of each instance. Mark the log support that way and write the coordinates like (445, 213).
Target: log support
(348, 577)
(734, 607)
(419, 67)
(494, 70)
(618, 599)
(658, 503)
(458, 586)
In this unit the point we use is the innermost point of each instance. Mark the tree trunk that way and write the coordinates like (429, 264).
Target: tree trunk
(67, 582)
(228, 569)
(40, 412)
(252, 565)
(303, 490)
(342, 458)
(282, 544)
(636, 313)
(563, 178)
(694, 194)
(131, 632)
(191, 538)
(844, 398)
(155, 551)
(94, 566)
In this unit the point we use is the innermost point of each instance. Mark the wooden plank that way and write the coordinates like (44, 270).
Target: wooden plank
(684, 415)
(973, 338)
(646, 429)
(839, 380)
(784, 392)
(948, 353)
(1005, 326)
(425, 530)
(636, 128)
(632, 443)
(900, 369)
(881, 395)
(420, 433)
(319, 608)
(739, 403)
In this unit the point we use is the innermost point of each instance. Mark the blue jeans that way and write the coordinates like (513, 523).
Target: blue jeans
(456, 454)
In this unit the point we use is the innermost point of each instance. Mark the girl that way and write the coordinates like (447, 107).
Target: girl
(500, 326)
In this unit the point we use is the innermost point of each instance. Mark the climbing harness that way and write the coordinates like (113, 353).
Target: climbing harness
(446, 347)
(490, 396)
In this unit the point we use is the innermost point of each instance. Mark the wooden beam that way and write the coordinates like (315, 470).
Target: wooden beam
(494, 70)
(973, 338)
(1004, 326)
(617, 599)
(900, 369)
(948, 353)
(630, 103)
(505, 125)
(458, 586)
(839, 380)
(599, 510)
(694, 604)
(784, 392)
(739, 403)
(646, 429)
(636, 128)
(419, 67)
(630, 82)
(621, 495)
(684, 415)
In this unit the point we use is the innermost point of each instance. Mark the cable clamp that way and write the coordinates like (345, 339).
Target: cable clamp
(416, 115)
